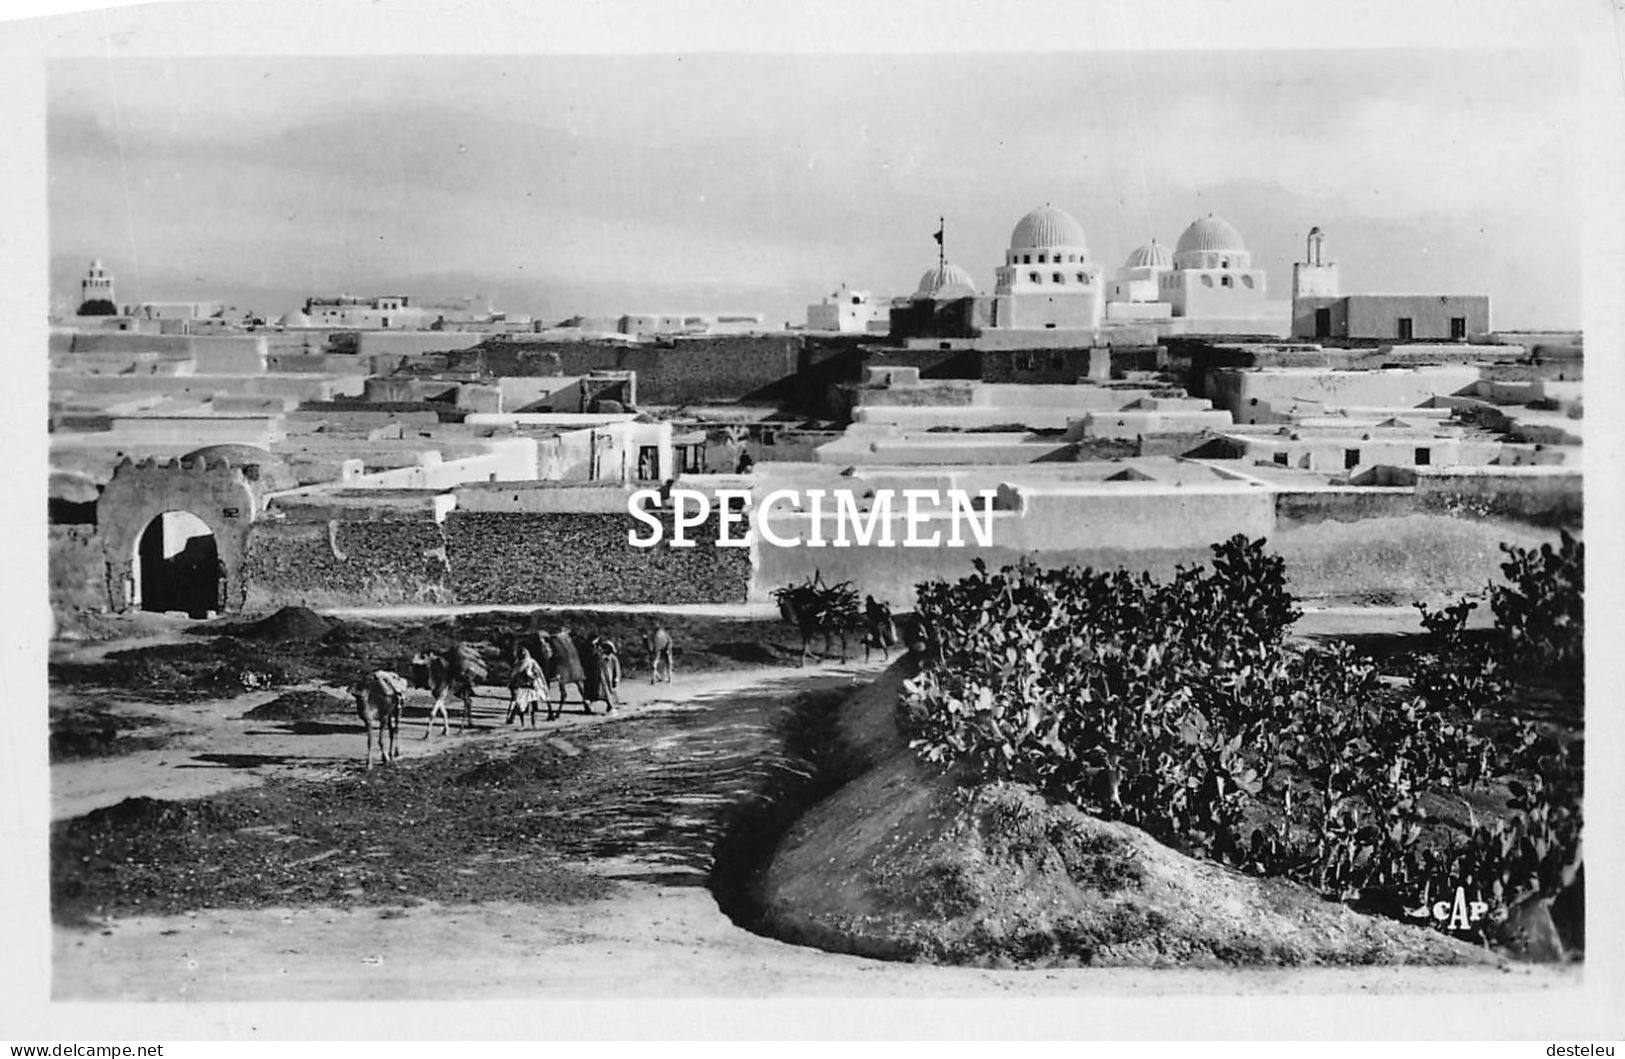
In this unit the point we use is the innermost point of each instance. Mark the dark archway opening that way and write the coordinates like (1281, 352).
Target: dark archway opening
(178, 567)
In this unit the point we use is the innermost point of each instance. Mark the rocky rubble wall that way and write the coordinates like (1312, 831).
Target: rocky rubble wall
(345, 563)
(584, 558)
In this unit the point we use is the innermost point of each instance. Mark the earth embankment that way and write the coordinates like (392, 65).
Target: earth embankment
(905, 862)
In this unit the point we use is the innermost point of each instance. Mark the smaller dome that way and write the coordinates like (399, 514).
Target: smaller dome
(1152, 255)
(1210, 234)
(296, 318)
(1047, 226)
(949, 281)
(273, 473)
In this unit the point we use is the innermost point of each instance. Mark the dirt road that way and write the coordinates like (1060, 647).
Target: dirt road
(698, 744)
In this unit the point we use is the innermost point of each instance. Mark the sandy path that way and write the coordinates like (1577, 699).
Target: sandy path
(654, 942)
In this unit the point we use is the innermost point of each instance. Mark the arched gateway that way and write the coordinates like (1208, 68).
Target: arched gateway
(174, 533)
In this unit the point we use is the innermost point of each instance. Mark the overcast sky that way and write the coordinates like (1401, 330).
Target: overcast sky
(607, 184)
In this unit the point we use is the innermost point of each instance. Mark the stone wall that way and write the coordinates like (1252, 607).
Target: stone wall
(493, 558)
(1533, 498)
(345, 563)
(585, 558)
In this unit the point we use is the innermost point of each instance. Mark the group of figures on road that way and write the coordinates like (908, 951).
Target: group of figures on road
(537, 660)
(540, 659)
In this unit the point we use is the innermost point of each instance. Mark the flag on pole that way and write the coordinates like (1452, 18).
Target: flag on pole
(941, 227)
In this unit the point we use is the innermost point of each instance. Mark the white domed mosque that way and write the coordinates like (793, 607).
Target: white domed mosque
(944, 282)
(1136, 293)
(1213, 278)
(1047, 280)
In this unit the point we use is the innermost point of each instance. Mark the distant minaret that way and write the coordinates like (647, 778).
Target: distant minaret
(1313, 277)
(97, 286)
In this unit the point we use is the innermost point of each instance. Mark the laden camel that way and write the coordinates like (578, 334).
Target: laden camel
(378, 701)
(816, 609)
(445, 673)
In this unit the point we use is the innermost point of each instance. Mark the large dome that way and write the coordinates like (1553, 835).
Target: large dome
(1210, 235)
(1047, 226)
(1152, 255)
(949, 281)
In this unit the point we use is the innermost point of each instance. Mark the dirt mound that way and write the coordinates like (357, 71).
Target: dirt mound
(300, 706)
(341, 634)
(93, 733)
(905, 863)
(515, 773)
(142, 814)
(288, 625)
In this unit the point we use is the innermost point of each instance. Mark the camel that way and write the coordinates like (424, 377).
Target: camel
(658, 643)
(818, 609)
(445, 673)
(378, 701)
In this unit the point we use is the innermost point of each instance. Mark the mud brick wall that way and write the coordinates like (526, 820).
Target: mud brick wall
(345, 563)
(1059, 366)
(794, 370)
(517, 558)
(1350, 505)
(77, 569)
(1556, 499)
(932, 363)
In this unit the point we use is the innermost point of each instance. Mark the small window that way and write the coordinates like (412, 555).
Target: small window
(1040, 259)
(1405, 328)
(1458, 327)
(1207, 281)
(1026, 259)
(1033, 277)
(1082, 278)
(1058, 278)
(1351, 459)
(1424, 457)
(1224, 281)
(1281, 458)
